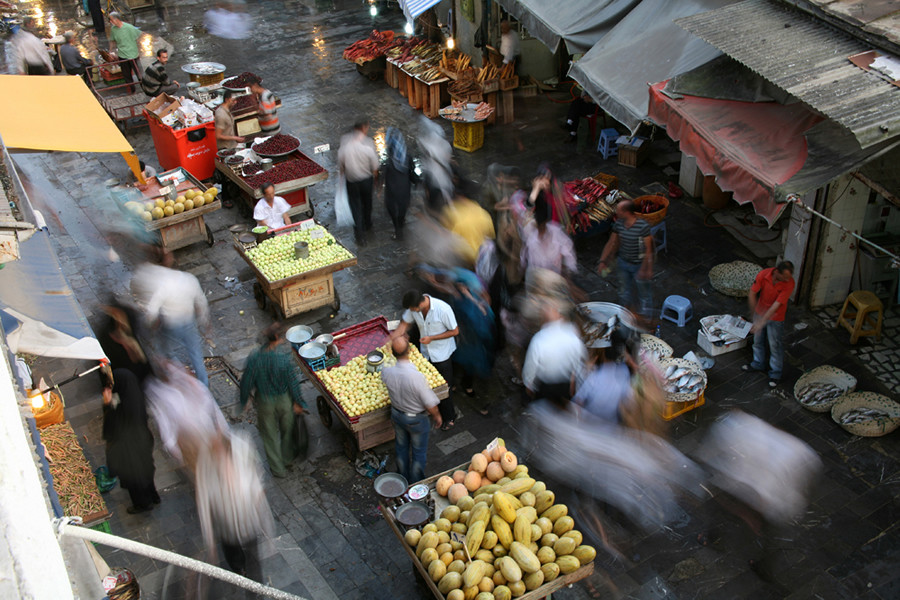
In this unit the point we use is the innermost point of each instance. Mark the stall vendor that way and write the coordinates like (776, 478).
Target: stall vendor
(224, 120)
(271, 211)
(267, 110)
(156, 80)
(509, 43)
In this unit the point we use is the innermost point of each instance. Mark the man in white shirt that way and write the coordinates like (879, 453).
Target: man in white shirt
(437, 330)
(509, 43)
(174, 303)
(271, 211)
(556, 355)
(358, 163)
(31, 54)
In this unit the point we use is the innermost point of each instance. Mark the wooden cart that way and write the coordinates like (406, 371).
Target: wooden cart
(372, 428)
(294, 191)
(387, 510)
(185, 228)
(299, 293)
(118, 101)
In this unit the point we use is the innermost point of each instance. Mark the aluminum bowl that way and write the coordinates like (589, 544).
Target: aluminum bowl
(390, 485)
(312, 351)
(413, 514)
(298, 335)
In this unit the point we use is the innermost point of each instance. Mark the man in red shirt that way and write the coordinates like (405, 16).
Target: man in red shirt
(768, 298)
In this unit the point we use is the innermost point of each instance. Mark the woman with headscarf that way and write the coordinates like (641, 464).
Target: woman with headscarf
(545, 244)
(129, 443)
(555, 193)
(399, 177)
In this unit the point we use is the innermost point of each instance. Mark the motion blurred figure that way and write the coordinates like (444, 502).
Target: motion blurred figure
(471, 223)
(229, 21)
(129, 443)
(399, 177)
(231, 502)
(272, 379)
(436, 165)
(545, 244)
(632, 244)
(31, 56)
(358, 163)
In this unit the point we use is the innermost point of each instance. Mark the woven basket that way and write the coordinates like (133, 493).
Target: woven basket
(651, 343)
(734, 278)
(654, 218)
(824, 374)
(688, 364)
(871, 428)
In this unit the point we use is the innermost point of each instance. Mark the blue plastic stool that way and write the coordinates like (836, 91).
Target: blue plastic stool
(607, 146)
(680, 306)
(660, 237)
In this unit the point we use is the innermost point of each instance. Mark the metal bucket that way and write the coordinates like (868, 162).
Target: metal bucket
(266, 163)
(301, 250)
(374, 361)
(598, 314)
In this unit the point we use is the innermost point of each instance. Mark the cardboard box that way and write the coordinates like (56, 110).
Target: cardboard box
(163, 105)
(632, 150)
(714, 350)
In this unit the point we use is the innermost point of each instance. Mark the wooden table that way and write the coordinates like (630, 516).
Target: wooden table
(400, 530)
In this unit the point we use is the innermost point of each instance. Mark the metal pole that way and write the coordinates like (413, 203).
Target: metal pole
(895, 260)
(66, 526)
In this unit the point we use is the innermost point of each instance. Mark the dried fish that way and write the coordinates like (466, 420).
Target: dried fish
(818, 393)
(862, 415)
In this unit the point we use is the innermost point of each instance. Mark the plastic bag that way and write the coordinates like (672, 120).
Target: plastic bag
(342, 204)
(301, 436)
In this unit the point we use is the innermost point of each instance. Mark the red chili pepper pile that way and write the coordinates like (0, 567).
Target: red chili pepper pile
(372, 47)
(277, 144)
(649, 206)
(243, 103)
(242, 80)
(587, 190)
(288, 170)
(586, 205)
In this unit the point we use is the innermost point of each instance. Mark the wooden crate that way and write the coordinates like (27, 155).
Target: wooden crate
(632, 156)
(306, 294)
(510, 83)
(490, 85)
(507, 110)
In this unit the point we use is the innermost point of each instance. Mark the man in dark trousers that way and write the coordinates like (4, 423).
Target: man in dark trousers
(412, 400)
(632, 243)
(768, 299)
(358, 163)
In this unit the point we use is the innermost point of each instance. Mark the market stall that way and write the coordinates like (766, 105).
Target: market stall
(290, 171)
(294, 267)
(591, 203)
(172, 206)
(121, 101)
(369, 54)
(486, 527)
(350, 386)
(468, 123)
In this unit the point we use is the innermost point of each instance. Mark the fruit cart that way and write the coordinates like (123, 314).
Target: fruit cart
(390, 506)
(178, 230)
(293, 190)
(298, 293)
(372, 428)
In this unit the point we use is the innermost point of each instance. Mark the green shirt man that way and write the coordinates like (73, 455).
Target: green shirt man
(125, 37)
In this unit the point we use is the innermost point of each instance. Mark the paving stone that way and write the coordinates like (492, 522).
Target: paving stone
(455, 442)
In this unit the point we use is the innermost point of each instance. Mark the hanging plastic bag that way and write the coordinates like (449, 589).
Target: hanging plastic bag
(301, 436)
(342, 204)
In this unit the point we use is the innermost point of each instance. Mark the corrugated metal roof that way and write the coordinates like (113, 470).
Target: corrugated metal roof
(878, 20)
(806, 58)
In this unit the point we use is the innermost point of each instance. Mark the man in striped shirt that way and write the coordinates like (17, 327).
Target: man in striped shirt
(156, 80)
(632, 243)
(267, 111)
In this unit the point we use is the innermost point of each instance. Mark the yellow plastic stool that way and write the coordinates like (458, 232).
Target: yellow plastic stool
(855, 321)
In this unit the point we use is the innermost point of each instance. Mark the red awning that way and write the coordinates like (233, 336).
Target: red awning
(750, 147)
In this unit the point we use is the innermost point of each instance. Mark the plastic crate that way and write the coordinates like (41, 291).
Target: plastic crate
(674, 409)
(207, 79)
(323, 363)
(468, 136)
(103, 527)
(193, 148)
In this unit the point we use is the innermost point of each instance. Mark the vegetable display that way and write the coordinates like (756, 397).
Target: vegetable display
(517, 538)
(358, 392)
(288, 170)
(73, 478)
(275, 258)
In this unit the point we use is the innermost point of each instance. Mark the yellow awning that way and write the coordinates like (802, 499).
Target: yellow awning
(57, 113)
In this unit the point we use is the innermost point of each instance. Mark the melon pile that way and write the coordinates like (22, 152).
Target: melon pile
(516, 537)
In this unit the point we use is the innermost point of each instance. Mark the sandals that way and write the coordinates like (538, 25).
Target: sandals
(470, 393)
(227, 203)
(447, 426)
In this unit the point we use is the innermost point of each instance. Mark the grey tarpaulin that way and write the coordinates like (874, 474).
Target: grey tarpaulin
(645, 47)
(581, 23)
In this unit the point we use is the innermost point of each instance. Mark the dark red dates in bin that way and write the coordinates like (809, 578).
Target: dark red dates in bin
(277, 144)
(288, 170)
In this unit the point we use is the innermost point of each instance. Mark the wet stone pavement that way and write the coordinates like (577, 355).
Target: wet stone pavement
(329, 539)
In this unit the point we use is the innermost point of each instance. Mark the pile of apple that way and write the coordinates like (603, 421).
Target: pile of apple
(275, 256)
(359, 392)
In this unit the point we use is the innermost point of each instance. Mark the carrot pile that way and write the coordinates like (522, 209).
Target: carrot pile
(73, 478)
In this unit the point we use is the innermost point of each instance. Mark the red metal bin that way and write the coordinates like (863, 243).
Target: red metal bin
(192, 148)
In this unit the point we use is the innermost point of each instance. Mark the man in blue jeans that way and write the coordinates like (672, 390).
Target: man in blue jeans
(412, 400)
(632, 243)
(768, 299)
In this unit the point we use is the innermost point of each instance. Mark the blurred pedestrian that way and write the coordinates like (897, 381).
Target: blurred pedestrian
(632, 244)
(412, 400)
(582, 107)
(30, 52)
(358, 163)
(120, 340)
(399, 177)
(768, 297)
(129, 443)
(175, 305)
(436, 165)
(554, 192)
(123, 38)
(231, 502)
(272, 378)
(185, 412)
(96, 12)
(606, 389)
(471, 223)
(546, 245)
(437, 330)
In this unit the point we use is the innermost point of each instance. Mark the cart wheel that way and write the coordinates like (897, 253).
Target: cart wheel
(260, 296)
(350, 447)
(311, 211)
(336, 305)
(210, 240)
(324, 412)
(276, 311)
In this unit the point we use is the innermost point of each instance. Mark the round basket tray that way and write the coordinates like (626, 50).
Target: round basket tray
(874, 427)
(688, 364)
(824, 374)
(734, 278)
(653, 345)
(654, 218)
(282, 153)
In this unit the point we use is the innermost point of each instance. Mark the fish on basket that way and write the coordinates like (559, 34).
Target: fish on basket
(680, 380)
(818, 393)
(862, 415)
